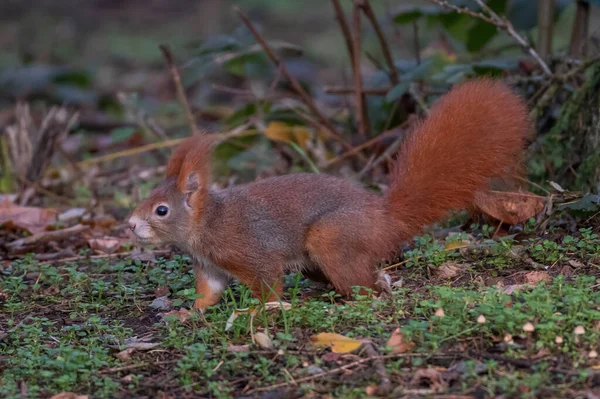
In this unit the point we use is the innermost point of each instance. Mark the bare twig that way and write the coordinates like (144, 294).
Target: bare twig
(137, 366)
(332, 371)
(308, 101)
(545, 27)
(361, 109)
(499, 22)
(463, 10)
(504, 23)
(385, 48)
(179, 89)
(367, 144)
(385, 385)
(350, 90)
(238, 132)
(417, 41)
(46, 236)
(548, 91)
(390, 151)
(104, 256)
(339, 15)
(579, 34)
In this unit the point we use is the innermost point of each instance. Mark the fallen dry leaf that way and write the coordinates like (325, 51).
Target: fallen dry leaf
(46, 236)
(509, 207)
(161, 290)
(398, 342)
(331, 357)
(135, 343)
(277, 305)
(338, 343)
(431, 378)
(535, 277)
(263, 340)
(143, 256)
(238, 348)
(510, 289)
(182, 314)
(575, 263)
(371, 390)
(237, 313)
(280, 131)
(447, 270)
(106, 244)
(31, 219)
(69, 395)
(125, 355)
(384, 284)
(71, 214)
(141, 346)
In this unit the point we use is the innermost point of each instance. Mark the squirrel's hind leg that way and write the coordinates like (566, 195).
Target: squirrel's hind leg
(341, 255)
(266, 285)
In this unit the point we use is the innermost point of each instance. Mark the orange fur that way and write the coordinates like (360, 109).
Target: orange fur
(474, 133)
(178, 156)
(209, 297)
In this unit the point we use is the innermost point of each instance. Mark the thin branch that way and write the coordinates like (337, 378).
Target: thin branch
(237, 132)
(350, 90)
(390, 151)
(308, 101)
(179, 89)
(361, 109)
(499, 22)
(385, 385)
(333, 371)
(579, 35)
(507, 25)
(545, 27)
(417, 41)
(463, 10)
(46, 236)
(369, 143)
(385, 48)
(339, 15)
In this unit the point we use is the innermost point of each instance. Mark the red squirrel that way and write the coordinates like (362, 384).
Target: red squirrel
(328, 228)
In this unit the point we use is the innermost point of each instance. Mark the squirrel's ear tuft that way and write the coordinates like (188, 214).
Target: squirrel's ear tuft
(178, 157)
(195, 169)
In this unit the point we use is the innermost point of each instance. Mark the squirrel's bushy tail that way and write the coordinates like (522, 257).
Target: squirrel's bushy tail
(474, 133)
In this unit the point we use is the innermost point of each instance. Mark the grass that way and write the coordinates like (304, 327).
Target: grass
(62, 327)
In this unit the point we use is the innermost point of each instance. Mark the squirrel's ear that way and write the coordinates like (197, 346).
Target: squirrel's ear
(195, 171)
(192, 183)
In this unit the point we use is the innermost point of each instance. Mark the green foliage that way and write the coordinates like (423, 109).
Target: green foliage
(101, 303)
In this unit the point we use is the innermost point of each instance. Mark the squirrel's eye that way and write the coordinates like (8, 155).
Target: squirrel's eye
(162, 210)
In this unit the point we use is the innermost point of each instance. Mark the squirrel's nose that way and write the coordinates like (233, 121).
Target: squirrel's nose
(131, 225)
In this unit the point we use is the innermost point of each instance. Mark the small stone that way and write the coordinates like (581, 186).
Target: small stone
(263, 340)
(161, 303)
(312, 370)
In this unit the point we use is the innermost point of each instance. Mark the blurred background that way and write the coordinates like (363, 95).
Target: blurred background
(101, 60)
